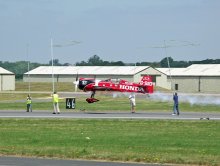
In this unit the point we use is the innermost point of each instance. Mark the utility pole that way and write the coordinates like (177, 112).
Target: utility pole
(52, 45)
(28, 65)
(174, 43)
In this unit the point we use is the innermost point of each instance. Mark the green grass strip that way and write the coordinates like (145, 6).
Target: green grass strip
(107, 103)
(156, 141)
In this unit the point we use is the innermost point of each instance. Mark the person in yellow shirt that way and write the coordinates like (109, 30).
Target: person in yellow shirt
(29, 106)
(56, 103)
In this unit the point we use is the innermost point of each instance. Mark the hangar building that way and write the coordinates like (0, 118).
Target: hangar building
(7, 80)
(69, 73)
(204, 78)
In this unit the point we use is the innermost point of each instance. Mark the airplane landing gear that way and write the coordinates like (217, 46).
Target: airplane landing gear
(91, 100)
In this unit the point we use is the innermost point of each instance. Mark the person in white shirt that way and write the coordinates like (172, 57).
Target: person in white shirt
(132, 102)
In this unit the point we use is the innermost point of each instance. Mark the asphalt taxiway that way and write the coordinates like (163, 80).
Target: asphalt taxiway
(22, 161)
(111, 115)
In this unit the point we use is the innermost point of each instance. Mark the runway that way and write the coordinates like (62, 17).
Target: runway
(111, 115)
(22, 161)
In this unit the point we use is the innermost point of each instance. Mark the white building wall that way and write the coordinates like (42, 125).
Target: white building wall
(137, 77)
(163, 82)
(7, 82)
(191, 84)
(197, 84)
(210, 84)
(186, 84)
(149, 71)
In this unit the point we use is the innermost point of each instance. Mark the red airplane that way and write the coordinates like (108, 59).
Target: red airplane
(93, 85)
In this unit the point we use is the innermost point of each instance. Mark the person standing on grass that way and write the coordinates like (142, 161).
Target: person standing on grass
(56, 103)
(176, 104)
(29, 102)
(132, 103)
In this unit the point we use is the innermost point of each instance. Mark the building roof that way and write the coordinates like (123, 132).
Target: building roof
(88, 70)
(193, 70)
(4, 71)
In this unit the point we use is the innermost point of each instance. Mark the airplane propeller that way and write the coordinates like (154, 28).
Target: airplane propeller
(76, 82)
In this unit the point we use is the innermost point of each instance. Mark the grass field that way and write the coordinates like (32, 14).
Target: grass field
(11, 101)
(177, 142)
(44, 86)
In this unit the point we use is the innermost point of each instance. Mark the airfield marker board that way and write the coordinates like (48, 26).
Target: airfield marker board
(70, 103)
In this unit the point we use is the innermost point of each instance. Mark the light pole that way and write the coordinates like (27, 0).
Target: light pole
(70, 43)
(51, 52)
(28, 65)
(175, 43)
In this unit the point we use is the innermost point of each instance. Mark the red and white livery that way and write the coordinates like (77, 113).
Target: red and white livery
(145, 86)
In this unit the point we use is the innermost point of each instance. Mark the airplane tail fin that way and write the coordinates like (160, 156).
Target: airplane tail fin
(147, 83)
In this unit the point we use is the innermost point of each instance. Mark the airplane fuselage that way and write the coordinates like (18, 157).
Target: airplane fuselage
(89, 84)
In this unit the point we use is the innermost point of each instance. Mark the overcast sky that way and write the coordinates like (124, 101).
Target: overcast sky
(115, 30)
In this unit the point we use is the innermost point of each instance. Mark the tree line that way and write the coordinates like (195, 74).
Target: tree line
(97, 61)
(21, 67)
